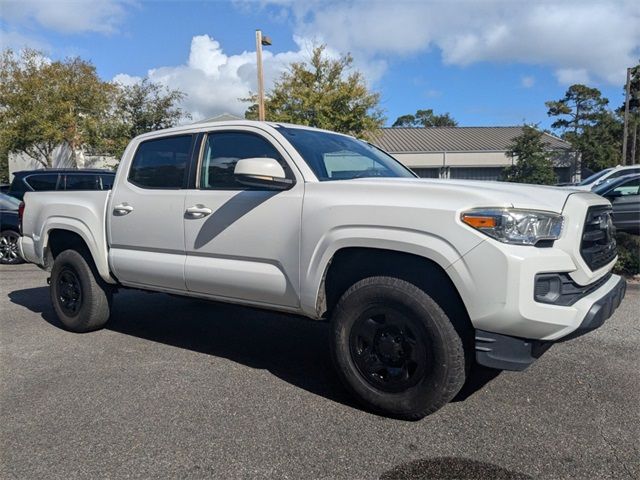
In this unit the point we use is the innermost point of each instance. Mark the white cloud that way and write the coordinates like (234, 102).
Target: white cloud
(527, 81)
(17, 41)
(126, 80)
(569, 76)
(600, 37)
(68, 16)
(215, 81)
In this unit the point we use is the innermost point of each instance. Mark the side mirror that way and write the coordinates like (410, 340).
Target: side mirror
(613, 194)
(262, 172)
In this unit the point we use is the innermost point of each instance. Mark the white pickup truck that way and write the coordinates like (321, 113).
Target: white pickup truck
(421, 279)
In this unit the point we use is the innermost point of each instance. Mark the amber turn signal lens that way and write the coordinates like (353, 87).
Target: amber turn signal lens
(477, 221)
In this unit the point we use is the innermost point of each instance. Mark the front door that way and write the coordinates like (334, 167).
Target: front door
(625, 205)
(242, 243)
(146, 231)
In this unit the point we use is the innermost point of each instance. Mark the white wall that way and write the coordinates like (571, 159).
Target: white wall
(454, 159)
(61, 159)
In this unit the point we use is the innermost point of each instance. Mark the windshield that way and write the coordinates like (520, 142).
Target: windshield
(605, 185)
(595, 176)
(612, 183)
(337, 157)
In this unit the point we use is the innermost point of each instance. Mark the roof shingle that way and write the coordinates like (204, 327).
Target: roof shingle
(455, 139)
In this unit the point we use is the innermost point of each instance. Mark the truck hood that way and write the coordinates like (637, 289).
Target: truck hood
(478, 193)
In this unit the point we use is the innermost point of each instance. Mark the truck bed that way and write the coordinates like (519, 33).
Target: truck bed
(81, 212)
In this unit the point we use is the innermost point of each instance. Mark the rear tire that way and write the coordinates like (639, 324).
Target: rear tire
(395, 349)
(80, 298)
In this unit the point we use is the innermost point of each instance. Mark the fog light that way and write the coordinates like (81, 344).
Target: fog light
(548, 288)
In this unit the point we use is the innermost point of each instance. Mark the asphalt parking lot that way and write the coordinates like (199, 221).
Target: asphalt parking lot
(177, 388)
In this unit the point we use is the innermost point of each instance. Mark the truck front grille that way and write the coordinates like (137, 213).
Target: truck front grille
(598, 245)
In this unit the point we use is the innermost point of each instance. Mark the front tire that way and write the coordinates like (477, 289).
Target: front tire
(395, 349)
(80, 298)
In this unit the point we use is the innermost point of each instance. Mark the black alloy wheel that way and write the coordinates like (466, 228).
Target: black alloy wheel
(69, 291)
(9, 254)
(389, 349)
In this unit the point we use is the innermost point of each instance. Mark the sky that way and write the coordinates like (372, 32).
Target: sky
(485, 62)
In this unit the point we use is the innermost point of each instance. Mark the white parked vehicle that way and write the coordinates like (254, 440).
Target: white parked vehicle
(608, 174)
(419, 278)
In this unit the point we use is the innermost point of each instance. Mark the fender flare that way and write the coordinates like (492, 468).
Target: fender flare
(97, 246)
(416, 242)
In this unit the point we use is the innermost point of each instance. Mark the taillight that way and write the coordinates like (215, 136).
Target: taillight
(20, 215)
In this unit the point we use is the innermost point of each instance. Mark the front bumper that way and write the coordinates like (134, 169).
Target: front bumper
(506, 352)
(601, 310)
(498, 281)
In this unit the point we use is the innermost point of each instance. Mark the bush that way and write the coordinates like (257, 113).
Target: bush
(628, 254)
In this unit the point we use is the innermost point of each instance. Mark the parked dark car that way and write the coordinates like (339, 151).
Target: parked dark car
(9, 230)
(624, 195)
(60, 179)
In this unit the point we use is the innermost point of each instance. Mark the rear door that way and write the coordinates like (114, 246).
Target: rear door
(146, 231)
(246, 244)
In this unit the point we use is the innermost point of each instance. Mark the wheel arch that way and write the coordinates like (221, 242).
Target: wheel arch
(73, 234)
(351, 264)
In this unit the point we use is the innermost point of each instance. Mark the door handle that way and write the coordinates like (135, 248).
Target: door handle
(198, 211)
(122, 209)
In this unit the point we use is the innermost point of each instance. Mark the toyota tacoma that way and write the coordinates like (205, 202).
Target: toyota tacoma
(420, 279)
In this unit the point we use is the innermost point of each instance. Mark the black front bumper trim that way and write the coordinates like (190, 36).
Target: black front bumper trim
(560, 289)
(505, 352)
(600, 311)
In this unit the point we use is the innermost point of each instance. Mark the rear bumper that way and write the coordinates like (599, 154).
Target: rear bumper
(27, 249)
(506, 352)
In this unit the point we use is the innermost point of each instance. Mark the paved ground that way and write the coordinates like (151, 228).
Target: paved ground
(184, 389)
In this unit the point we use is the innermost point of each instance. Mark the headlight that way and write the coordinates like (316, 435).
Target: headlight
(520, 227)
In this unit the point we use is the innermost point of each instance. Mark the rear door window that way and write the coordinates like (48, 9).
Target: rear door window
(43, 182)
(82, 181)
(107, 181)
(161, 163)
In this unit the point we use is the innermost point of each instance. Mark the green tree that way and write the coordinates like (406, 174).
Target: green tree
(600, 143)
(581, 106)
(532, 161)
(324, 93)
(425, 118)
(44, 104)
(4, 165)
(583, 120)
(139, 108)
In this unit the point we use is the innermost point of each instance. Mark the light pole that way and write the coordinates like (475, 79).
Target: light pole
(260, 41)
(626, 118)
